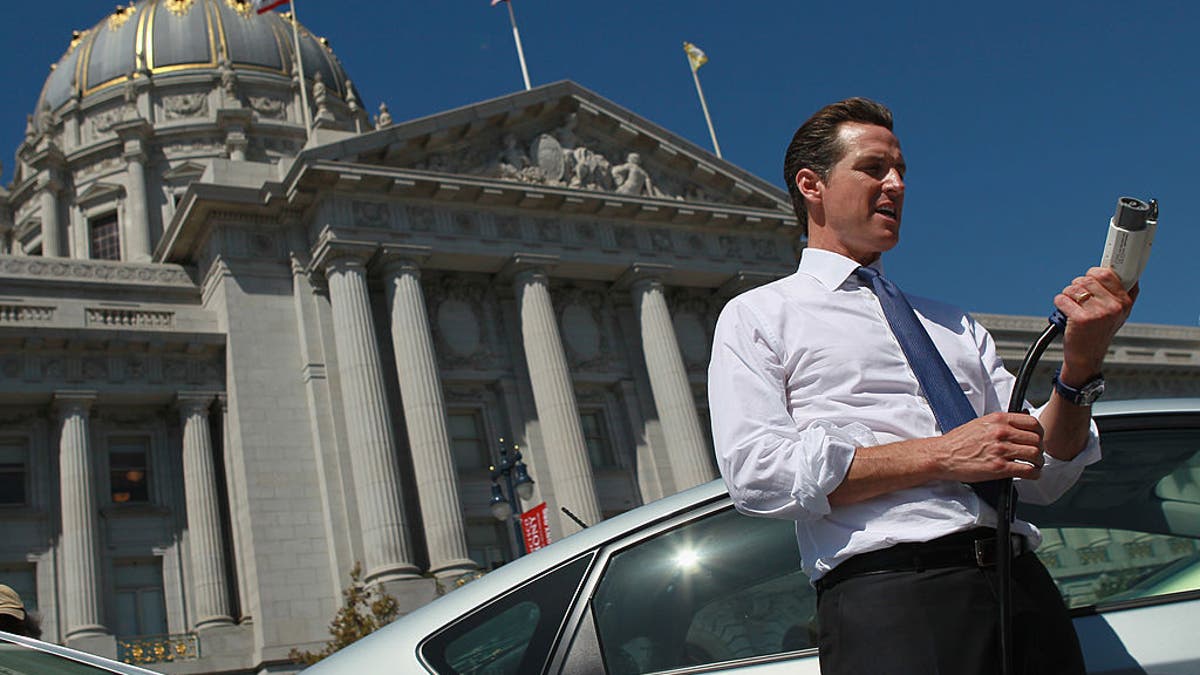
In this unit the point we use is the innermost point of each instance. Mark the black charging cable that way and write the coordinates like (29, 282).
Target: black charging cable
(1006, 504)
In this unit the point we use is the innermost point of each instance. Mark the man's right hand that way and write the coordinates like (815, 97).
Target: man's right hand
(997, 445)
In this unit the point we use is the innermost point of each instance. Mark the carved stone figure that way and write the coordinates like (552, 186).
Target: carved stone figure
(229, 84)
(385, 118)
(321, 98)
(632, 179)
(550, 157)
(586, 168)
(512, 158)
(514, 164)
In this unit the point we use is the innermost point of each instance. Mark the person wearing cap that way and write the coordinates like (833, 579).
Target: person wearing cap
(13, 616)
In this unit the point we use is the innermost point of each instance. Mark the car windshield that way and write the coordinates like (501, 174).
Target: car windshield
(18, 659)
(1129, 529)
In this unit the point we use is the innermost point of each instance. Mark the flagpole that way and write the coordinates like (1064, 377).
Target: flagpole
(300, 71)
(512, 18)
(704, 106)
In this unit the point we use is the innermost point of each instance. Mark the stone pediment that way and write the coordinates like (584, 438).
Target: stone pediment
(561, 136)
(185, 172)
(98, 192)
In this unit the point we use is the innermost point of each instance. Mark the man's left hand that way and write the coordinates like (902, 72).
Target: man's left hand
(1096, 305)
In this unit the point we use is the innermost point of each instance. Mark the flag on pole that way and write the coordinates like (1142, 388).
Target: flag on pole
(262, 6)
(697, 58)
(695, 55)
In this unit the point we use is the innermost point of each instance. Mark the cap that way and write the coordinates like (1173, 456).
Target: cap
(10, 603)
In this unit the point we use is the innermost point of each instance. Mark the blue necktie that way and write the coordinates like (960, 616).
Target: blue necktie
(945, 396)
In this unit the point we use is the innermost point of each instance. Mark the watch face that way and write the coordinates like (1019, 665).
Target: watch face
(1092, 390)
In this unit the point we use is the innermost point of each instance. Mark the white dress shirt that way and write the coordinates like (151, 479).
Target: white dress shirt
(805, 370)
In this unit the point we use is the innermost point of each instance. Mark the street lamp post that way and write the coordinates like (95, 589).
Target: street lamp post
(520, 486)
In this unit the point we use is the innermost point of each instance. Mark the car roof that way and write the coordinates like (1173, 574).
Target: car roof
(401, 638)
(76, 655)
(398, 638)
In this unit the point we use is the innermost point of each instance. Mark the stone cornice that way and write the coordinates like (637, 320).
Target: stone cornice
(76, 272)
(306, 179)
(545, 101)
(1139, 345)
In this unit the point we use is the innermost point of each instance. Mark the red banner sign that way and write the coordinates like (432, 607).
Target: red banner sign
(534, 528)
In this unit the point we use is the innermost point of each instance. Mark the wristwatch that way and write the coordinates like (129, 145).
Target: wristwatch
(1083, 396)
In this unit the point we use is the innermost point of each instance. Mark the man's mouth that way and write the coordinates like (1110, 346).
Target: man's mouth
(889, 211)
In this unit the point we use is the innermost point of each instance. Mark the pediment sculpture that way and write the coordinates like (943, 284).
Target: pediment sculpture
(562, 159)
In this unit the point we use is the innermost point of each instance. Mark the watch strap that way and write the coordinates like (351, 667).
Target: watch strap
(1082, 396)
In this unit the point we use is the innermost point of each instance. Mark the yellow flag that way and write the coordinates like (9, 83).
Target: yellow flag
(695, 56)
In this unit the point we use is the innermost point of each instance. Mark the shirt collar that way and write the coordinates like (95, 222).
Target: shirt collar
(831, 269)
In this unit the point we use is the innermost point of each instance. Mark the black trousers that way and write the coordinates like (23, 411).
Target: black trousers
(944, 622)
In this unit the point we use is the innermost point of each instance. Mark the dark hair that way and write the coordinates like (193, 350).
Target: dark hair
(30, 626)
(817, 146)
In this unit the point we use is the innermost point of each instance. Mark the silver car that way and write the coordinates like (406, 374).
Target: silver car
(21, 655)
(688, 585)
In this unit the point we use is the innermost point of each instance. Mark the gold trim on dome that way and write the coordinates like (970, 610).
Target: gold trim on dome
(180, 7)
(242, 7)
(215, 20)
(120, 16)
(77, 36)
(139, 45)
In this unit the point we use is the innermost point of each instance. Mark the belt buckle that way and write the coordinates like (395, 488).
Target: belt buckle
(985, 552)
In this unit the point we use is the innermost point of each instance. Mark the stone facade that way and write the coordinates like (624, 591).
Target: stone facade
(302, 361)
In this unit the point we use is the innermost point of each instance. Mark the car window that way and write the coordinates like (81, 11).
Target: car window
(512, 635)
(1130, 528)
(718, 588)
(16, 659)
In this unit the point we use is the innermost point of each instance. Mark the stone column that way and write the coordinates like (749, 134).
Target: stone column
(80, 518)
(425, 418)
(210, 591)
(554, 397)
(235, 510)
(136, 224)
(51, 225)
(135, 228)
(673, 396)
(368, 425)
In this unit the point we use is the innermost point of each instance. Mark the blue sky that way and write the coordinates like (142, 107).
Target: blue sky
(1022, 122)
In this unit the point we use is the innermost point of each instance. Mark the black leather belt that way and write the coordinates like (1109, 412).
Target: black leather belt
(971, 548)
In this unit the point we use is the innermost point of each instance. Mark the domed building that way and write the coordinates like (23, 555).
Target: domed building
(250, 337)
(138, 102)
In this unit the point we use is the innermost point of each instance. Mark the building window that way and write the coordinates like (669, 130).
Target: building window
(595, 434)
(105, 237)
(140, 607)
(488, 543)
(14, 472)
(468, 443)
(128, 470)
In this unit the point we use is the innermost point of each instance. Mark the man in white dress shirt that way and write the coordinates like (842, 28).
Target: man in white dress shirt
(818, 418)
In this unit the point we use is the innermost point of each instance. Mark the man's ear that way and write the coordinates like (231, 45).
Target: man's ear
(810, 185)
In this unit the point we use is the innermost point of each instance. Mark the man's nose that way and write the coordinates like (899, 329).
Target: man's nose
(893, 182)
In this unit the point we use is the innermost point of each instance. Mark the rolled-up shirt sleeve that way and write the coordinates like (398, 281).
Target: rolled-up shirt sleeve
(770, 465)
(1057, 475)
